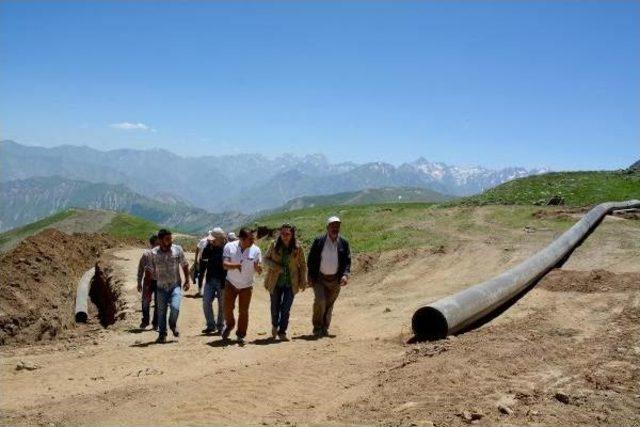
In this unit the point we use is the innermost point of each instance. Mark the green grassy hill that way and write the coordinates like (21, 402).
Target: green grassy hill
(383, 227)
(125, 225)
(576, 188)
(368, 196)
(380, 227)
(368, 227)
(25, 201)
(83, 221)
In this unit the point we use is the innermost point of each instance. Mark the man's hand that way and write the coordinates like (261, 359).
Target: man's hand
(258, 267)
(139, 287)
(344, 281)
(231, 265)
(186, 285)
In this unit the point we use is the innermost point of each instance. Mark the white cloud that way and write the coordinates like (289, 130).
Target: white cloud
(131, 126)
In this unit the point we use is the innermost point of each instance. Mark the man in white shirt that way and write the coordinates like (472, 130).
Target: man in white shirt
(329, 267)
(242, 259)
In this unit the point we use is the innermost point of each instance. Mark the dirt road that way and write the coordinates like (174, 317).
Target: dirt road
(126, 378)
(120, 377)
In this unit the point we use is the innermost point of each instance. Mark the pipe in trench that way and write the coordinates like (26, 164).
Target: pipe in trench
(452, 314)
(82, 296)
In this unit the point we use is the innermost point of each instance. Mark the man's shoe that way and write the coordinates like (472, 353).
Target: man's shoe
(325, 332)
(226, 333)
(283, 336)
(208, 331)
(162, 339)
(176, 332)
(274, 332)
(155, 328)
(317, 332)
(241, 341)
(144, 324)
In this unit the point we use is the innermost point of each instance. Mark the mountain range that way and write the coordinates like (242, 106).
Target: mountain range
(245, 183)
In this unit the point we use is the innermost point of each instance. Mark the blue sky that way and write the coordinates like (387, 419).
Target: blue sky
(496, 83)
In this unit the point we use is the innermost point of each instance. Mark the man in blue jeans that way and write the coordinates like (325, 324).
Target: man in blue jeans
(215, 278)
(165, 263)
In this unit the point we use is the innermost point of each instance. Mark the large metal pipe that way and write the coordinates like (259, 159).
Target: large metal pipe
(454, 313)
(82, 296)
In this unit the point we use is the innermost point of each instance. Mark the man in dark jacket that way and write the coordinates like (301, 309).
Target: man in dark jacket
(329, 266)
(214, 283)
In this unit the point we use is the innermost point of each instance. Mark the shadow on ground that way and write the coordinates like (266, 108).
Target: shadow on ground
(266, 341)
(222, 343)
(147, 344)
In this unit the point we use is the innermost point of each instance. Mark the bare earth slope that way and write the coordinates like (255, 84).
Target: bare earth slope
(556, 341)
(38, 284)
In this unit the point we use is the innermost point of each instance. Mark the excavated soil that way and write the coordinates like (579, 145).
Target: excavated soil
(590, 281)
(565, 213)
(38, 282)
(628, 214)
(563, 359)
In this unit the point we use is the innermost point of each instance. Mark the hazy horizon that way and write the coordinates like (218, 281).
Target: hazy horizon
(275, 156)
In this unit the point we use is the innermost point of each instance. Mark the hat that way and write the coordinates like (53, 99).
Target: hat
(232, 236)
(333, 219)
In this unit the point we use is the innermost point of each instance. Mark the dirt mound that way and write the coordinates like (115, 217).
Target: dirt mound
(567, 213)
(589, 281)
(38, 282)
(627, 214)
(519, 370)
(386, 262)
(365, 262)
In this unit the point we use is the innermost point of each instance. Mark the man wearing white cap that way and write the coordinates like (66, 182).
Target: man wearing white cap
(329, 266)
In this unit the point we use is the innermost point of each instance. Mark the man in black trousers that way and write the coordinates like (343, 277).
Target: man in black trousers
(329, 266)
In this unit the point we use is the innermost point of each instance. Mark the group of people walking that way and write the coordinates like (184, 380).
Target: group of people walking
(225, 269)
